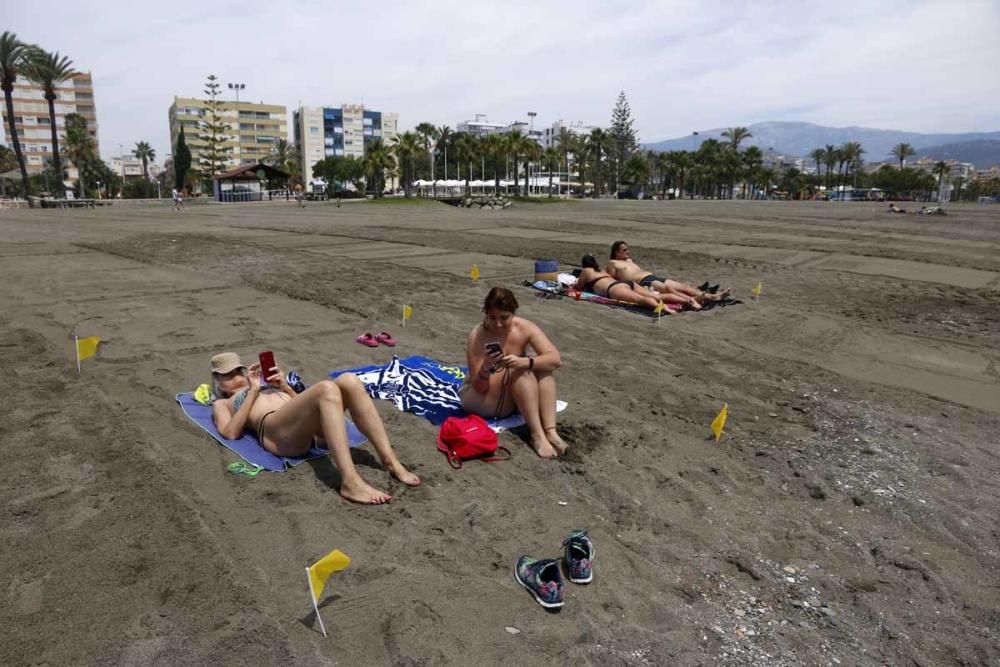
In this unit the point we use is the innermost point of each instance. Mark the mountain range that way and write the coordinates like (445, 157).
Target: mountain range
(795, 138)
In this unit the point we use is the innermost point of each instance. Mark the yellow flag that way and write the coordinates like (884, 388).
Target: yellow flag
(659, 308)
(320, 571)
(474, 272)
(758, 288)
(720, 421)
(407, 312)
(86, 347)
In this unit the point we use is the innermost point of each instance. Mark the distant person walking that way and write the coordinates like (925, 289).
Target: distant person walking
(178, 199)
(299, 196)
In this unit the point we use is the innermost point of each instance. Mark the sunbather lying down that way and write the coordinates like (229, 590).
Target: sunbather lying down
(621, 267)
(592, 279)
(287, 424)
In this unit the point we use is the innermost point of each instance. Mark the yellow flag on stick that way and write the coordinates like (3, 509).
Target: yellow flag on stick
(659, 311)
(474, 273)
(85, 348)
(319, 572)
(720, 421)
(757, 289)
(407, 313)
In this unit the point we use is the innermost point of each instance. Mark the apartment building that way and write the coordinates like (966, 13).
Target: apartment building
(130, 167)
(480, 127)
(253, 127)
(321, 132)
(32, 122)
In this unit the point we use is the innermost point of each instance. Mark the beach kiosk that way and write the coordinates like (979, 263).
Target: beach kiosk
(247, 182)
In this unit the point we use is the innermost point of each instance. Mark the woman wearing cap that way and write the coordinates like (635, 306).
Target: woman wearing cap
(502, 381)
(287, 423)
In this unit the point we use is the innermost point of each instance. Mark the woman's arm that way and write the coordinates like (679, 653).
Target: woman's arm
(231, 424)
(479, 368)
(546, 357)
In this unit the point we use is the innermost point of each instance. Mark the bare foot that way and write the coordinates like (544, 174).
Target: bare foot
(543, 448)
(361, 492)
(553, 437)
(404, 475)
(694, 304)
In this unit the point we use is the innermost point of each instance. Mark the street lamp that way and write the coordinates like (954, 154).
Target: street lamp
(237, 87)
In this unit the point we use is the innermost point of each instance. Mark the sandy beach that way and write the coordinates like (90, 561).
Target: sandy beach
(848, 515)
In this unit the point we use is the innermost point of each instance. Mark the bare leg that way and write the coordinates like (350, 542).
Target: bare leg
(547, 409)
(362, 409)
(319, 410)
(524, 390)
(634, 296)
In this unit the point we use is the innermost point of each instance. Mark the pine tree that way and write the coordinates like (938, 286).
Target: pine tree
(622, 133)
(212, 159)
(182, 161)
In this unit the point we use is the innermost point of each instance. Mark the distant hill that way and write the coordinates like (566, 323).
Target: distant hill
(792, 138)
(982, 152)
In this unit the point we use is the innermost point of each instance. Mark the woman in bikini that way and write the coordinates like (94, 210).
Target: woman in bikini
(503, 377)
(286, 423)
(592, 279)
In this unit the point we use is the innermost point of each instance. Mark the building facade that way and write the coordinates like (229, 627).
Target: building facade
(480, 127)
(253, 128)
(321, 132)
(32, 122)
(129, 167)
(550, 135)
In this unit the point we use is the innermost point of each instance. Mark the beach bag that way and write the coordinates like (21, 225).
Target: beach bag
(464, 438)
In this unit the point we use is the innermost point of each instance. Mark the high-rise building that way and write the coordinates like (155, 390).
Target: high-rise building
(33, 125)
(252, 132)
(550, 136)
(322, 132)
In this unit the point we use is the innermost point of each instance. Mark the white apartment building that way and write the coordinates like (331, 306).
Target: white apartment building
(550, 135)
(344, 131)
(130, 167)
(480, 127)
(33, 125)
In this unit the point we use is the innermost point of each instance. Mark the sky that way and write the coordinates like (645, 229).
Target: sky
(685, 65)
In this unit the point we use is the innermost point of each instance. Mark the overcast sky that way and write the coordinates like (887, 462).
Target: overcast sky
(685, 64)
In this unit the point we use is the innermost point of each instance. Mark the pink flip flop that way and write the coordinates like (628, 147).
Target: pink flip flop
(386, 339)
(368, 339)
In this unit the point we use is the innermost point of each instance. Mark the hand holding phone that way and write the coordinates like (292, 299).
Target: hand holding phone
(493, 349)
(267, 364)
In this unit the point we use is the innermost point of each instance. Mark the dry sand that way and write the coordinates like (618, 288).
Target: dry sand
(849, 515)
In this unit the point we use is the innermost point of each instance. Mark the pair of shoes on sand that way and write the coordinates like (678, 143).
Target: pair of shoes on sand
(372, 340)
(543, 579)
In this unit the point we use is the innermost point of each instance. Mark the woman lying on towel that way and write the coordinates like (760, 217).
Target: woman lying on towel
(595, 281)
(503, 377)
(287, 424)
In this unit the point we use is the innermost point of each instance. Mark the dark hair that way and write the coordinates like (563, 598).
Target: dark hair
(615, 246)
(500, 298)
(590, 262)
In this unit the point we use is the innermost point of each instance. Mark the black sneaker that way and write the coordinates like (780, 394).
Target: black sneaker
(579, 557)
(542, 579)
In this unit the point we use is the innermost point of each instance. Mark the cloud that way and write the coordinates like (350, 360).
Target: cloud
(685, 65)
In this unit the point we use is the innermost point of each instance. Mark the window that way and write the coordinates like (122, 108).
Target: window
(368, 132)
(263, 114)
(261, 139)
(368, 121)
(80, 108)
(247, 126)
(43, 120)
(18, 120)
(313, 130)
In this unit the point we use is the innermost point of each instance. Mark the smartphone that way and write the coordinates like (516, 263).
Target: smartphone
(266, 364)
(493, 349)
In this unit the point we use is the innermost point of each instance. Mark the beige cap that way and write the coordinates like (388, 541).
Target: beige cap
(226, 362)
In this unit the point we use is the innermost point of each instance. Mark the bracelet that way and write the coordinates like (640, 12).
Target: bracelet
(531, 363)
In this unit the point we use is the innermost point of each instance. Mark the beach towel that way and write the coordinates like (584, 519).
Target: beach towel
(548, 287)
(247, 447)
(426, 387)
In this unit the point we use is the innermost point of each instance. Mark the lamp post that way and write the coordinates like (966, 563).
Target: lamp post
(237, 87)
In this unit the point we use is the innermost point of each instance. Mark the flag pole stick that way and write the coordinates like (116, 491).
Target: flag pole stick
(312, 597)
(76, 344)
(404, 316)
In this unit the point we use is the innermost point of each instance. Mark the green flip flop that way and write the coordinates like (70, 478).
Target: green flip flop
(241, 468)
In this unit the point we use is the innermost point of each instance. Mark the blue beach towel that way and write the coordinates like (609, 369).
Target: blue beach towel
(247, 447)
(426, 387)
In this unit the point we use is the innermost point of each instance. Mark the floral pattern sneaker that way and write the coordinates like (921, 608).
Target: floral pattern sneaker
(542, 579)
(579, 557)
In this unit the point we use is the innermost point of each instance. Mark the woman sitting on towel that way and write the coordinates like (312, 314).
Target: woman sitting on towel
(503, 377)
(287, 424)
(595, 281)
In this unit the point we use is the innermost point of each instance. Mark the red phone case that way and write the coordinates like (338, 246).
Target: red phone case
(266, 363)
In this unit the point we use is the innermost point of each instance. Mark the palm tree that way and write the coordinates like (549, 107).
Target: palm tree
(829, 159)
(853, 151)
(597, 147)
(49, 70)
(736, 135)
(941, 170)
(378, 161)
(428, 136)
(493, 144)
(444, 134)
(818, 155)
(464, 147)
(636, 172)
(530, 151)
(147, 154)
(12, 57)
(551, 158)
(406, 147)
(752, 160)
(902, 151)
(284, 156)
(683, 161)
